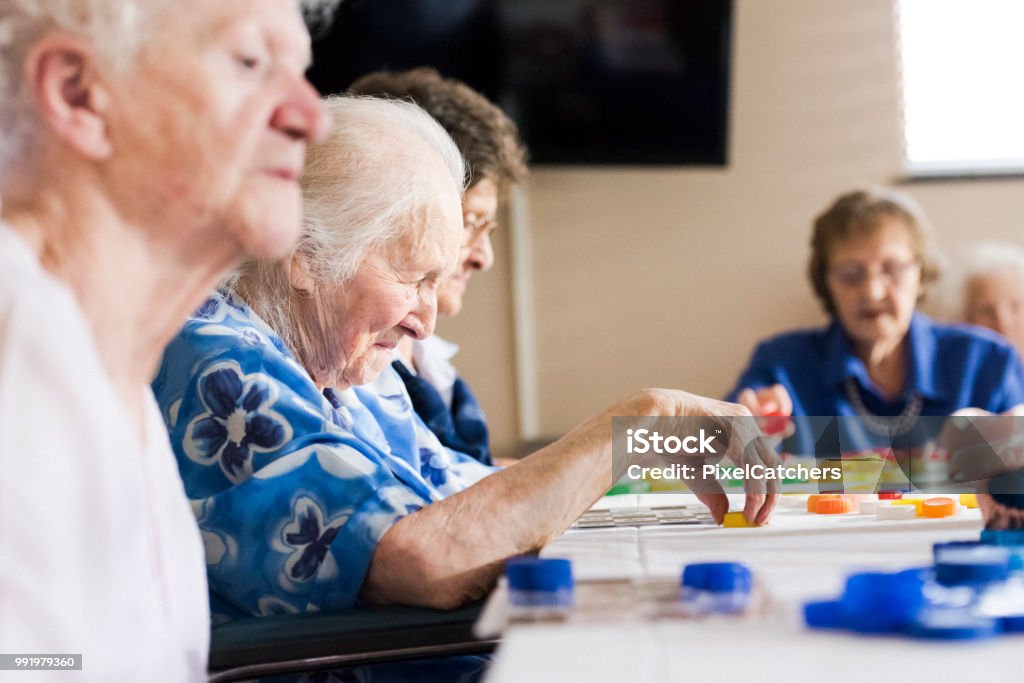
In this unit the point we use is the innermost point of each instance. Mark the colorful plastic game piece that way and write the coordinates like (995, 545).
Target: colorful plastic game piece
(969, 500)
(881, 602)
(1012, 624)
(890, 495)
(735, 520)
(889, 512)
(940, 549)
(793, 500)
(972, 565)
(823, 614)
(938, 507)
(834, 506)
(915, 503)
(539, 581)
(1003, 537)
(812, 501)
(717, 587)
(952, 624)
(869, 507)
(774, 423)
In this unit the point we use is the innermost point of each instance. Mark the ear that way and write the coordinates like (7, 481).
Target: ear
(61, 71)
(299, 277)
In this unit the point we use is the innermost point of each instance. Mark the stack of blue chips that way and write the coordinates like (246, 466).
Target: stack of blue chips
(938, 602)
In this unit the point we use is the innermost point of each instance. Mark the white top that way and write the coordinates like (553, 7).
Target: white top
(433, 359)
(99, 550)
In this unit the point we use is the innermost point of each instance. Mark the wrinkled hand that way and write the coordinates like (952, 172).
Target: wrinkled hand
(1001, 499)
(746, 445)
(998, 516)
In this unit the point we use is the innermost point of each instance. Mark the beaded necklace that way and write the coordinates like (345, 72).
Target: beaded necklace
(884, 425)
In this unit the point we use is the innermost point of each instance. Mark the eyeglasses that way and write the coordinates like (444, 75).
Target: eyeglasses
(893, 273)
(476, 226)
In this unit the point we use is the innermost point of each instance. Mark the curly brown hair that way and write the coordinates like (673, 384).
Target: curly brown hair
(487, 138)
(859, 214)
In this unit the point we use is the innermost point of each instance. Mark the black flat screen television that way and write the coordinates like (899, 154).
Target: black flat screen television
(587, 81)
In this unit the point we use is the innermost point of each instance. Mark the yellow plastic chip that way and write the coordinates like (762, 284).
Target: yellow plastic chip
(969, 500)
(735, 520)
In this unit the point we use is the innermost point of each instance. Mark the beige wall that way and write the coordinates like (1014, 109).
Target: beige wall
(669, 276)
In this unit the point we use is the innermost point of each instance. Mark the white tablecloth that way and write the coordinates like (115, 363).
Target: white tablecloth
(799, 557)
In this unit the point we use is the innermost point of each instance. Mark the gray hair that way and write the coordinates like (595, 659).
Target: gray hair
(984, 258)
(360, 187)
(115, 28)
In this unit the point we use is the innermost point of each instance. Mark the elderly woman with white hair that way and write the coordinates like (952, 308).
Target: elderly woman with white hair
(987, 289)
(316, 489)
(145, 148)
(991, 289)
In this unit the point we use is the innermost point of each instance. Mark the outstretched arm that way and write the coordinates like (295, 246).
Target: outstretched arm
(451, 552)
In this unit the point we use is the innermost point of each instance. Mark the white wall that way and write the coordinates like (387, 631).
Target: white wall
(669, 276)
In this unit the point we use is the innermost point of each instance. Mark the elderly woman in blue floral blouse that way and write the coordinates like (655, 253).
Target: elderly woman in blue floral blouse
(315, 489)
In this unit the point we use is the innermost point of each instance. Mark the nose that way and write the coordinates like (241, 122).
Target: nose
(875, 286)
(302, 115)
(481, 253)
(420, 321)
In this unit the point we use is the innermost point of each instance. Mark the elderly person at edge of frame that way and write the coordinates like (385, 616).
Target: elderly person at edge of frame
(145, 148)
(315, 489)
(878, 357)
(987, 289)
(990, 284)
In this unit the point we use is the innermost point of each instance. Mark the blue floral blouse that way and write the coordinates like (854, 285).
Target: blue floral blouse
(293, 488)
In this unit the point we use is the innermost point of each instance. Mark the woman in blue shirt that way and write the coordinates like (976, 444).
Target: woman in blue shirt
(879, 359)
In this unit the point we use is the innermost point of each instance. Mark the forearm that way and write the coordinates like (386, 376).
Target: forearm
(451, 551)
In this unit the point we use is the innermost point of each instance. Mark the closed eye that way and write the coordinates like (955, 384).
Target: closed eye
(248, 62)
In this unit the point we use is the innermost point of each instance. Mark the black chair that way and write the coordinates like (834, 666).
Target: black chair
(291, 643)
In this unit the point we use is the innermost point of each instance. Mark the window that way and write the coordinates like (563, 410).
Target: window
(963, 86)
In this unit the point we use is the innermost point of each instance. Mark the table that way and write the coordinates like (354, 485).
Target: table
(798, 557)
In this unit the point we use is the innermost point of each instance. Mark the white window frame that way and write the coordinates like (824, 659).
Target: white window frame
(926, 67)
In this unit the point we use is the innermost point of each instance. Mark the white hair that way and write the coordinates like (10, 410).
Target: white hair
(361, 184)
(985, 258)
(361, 187)
(116, 29)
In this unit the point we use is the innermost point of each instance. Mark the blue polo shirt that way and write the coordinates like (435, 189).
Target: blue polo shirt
(949, 366)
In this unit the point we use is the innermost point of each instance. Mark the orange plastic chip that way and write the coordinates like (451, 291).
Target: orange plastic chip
(834, 506)
(938, 507)
(812, 501)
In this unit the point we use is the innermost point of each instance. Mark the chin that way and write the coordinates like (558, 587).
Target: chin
(271, 229)
(881, 333)
(361, 373)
